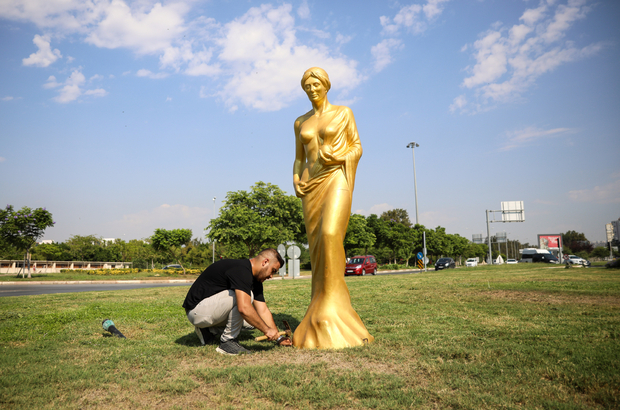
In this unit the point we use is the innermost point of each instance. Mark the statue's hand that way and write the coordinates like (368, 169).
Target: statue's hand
(299, 189)
(327, 157)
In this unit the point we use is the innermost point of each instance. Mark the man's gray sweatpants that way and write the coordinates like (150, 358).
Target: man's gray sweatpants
(219, 313)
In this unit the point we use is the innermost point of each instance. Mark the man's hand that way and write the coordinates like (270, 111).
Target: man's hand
(272, 334)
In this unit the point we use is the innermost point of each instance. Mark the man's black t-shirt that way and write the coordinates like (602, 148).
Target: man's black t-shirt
(224, 275)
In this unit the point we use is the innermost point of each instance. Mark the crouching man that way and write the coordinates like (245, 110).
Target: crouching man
(229, 292)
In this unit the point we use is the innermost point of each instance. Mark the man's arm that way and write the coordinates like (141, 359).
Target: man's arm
(265, 314)
(249, 313)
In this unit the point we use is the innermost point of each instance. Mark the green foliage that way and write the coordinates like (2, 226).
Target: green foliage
(50, 252)
(171, 242)
(576, 242)
(399, 216)
(358, 234)
(263, 217)
(600, 252)
(21, 229)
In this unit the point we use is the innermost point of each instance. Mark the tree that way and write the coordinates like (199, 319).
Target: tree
(49, 252)
(600, 252)
(400, 240)
(85, 248)
(576, 242)
(22, 229)
(171, 242)
(437, 242)
(263, 217)
(379, 228)
(399, 216)
(358, 234)
(459, 245)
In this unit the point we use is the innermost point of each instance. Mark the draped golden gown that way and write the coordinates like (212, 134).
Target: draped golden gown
(330, 321)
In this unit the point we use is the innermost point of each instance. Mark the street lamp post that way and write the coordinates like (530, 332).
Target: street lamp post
(413, 146)
(212, 239)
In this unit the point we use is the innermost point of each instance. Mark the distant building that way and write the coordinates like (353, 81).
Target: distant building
(616, 225)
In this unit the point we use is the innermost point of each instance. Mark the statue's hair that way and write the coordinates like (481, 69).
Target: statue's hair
(271, 253)
(319, 74)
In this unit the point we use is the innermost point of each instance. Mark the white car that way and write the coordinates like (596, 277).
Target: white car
(471, 262)
(511, 261)
(576, 260)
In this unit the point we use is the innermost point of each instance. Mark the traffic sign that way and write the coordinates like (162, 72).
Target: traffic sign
(293, 252)
(565, 257)
(282, 250)
(420, 255)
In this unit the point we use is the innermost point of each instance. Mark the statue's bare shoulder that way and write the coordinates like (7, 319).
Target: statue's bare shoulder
(301, 119)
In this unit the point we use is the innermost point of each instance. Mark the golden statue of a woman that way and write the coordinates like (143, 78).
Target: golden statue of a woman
(327, 150)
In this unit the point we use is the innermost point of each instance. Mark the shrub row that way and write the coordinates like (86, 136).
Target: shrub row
(116, 272)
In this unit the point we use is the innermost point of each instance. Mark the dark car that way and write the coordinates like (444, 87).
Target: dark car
(361, 265)
(445, 263)
(174, 266)
(545, 258)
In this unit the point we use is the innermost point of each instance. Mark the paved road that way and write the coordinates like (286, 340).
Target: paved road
(23, 290)
(43, 288)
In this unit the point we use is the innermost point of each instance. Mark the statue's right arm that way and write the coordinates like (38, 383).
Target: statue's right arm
(300, 159)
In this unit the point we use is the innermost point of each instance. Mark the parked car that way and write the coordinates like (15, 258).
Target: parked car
(545, 258)
(511, 261)
(445, 263)
(471, 262)
(575, 260)
(174, 266)
(361, 265)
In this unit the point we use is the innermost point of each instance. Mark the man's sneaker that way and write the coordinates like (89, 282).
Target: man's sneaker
(232, 347)
(247, 326)
(205, 336)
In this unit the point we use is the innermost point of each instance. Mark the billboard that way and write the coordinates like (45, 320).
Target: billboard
(547, 241)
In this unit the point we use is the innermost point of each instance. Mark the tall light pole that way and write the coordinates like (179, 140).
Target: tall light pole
(413, 145)
(212, 239)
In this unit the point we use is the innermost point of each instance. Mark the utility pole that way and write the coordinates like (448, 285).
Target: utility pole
(213, 239)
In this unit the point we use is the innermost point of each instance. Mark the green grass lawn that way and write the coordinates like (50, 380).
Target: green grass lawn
(531, 337)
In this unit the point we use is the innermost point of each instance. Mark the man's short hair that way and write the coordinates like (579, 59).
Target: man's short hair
(271, 253)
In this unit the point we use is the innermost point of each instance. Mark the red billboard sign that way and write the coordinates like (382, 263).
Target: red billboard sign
(549, 241)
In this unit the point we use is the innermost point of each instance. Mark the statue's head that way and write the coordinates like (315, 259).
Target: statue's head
(319, 74)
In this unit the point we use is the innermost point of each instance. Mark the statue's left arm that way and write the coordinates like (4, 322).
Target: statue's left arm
(354, 147)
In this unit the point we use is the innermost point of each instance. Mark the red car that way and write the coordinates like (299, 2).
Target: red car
(361, 265)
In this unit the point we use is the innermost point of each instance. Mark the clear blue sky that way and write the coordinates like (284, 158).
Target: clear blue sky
(122, 117)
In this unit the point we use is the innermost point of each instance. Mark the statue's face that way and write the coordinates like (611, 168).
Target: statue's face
(315, 89)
